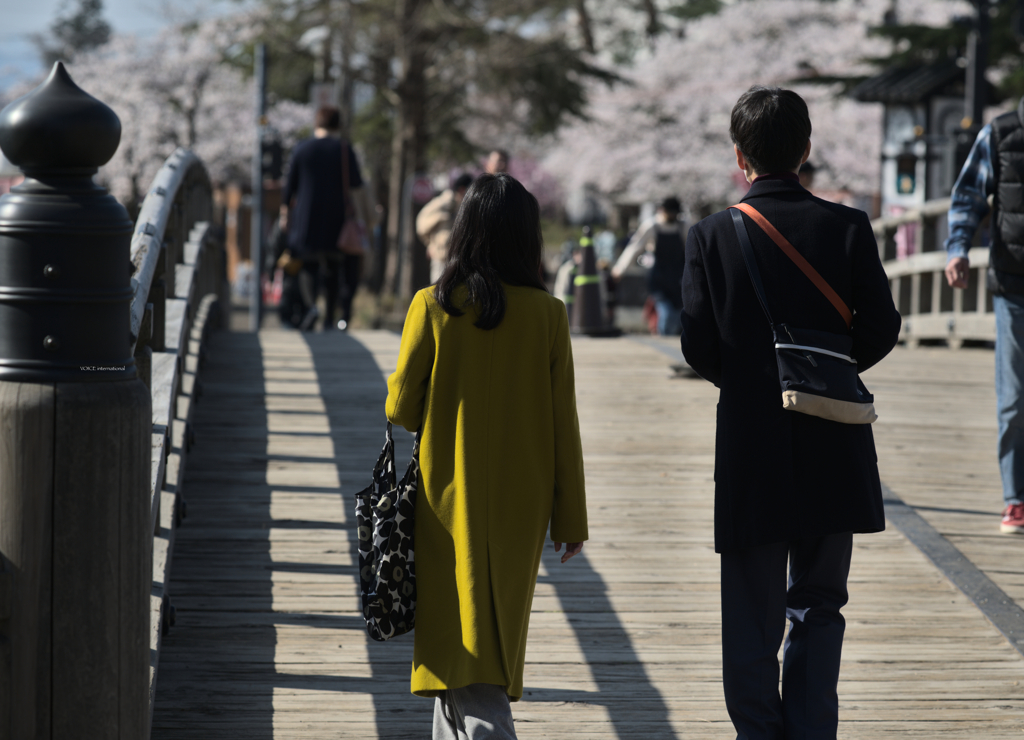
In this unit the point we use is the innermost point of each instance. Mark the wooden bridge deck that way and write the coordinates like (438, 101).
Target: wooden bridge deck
(624, 641)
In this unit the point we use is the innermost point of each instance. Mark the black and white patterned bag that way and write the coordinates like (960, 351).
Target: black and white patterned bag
(385, 512)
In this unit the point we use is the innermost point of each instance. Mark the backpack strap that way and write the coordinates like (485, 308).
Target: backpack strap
(798, 259)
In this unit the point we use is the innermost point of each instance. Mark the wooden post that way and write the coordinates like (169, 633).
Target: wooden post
(102, 560)
(26, 512)
(143, 352)
(75, 435)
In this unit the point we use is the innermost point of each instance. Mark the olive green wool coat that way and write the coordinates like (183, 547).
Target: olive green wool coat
(500, 458)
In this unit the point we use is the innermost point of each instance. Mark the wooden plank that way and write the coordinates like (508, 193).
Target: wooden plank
(168, 496)
(193, 247)
(165, 386)
(1000, 609)
(26, 513)
(158, 468)
(624, 640)
(163, 549)
(102, 547)
(937, 450)
(176, 325)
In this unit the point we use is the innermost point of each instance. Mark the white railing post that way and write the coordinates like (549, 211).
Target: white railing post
(947, 318)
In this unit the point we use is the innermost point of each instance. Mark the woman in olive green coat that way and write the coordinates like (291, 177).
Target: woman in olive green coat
(485, 370)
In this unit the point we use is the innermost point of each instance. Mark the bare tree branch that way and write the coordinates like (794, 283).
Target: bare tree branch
(653, 24)
(585, 29)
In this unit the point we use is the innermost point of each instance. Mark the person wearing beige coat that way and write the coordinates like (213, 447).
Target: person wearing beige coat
(485, 373)
(434, 223)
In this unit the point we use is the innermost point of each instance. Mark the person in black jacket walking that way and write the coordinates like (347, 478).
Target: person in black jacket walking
(313, 214)
(789, 487)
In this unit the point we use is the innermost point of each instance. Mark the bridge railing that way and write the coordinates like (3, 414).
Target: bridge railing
(180, 292)
(932, 310)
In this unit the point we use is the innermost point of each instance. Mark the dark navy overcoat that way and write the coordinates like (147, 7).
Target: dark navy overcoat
(315, 183)
(782, 475)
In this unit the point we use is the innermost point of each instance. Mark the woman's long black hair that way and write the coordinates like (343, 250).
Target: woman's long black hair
(496, 237)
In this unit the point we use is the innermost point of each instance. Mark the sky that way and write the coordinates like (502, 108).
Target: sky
(21, 18)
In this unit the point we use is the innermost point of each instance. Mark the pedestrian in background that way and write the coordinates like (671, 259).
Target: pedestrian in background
(434, 223)
(991, 180)
(291, 308)
(663, 238)
(790, 488)
(497, 161)
(485, 373)
(313, 212)
(565, 277)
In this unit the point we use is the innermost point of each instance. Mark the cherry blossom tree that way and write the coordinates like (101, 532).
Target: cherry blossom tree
(667, 130)
(176, 90)
(621, 32)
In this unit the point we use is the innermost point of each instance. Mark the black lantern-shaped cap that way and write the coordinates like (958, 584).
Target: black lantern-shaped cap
(58, 126)
(65, 283)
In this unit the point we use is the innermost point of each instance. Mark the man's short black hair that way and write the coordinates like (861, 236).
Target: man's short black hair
(462, 182)
(771, 126)
(672, 205)
(328, 117)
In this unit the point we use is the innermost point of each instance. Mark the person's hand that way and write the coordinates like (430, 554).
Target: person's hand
(957, 271)
(283, 218)
(571, 549)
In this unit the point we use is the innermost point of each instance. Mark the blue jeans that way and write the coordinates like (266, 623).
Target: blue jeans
(1009, 310)
(669, 323)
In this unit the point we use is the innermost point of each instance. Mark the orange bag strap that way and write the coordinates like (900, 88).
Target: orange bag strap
(798, 259)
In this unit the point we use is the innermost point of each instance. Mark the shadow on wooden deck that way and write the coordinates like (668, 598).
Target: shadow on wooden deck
(266, 587)
(609, 654)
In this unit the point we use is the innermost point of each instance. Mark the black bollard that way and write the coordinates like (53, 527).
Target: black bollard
(588, 315)
(75, 430)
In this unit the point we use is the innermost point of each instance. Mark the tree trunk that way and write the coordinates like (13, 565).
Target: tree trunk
(407, 135)
(653, 26)
(345, 93)
(381, 178)
(585, 29)
(415, 163)
(396, 185)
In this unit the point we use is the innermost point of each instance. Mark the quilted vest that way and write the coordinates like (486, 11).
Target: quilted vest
(1006, 261)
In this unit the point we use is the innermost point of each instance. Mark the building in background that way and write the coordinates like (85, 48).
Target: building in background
(924, 108)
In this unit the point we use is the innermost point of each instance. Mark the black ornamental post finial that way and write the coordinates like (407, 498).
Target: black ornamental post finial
(65, 280)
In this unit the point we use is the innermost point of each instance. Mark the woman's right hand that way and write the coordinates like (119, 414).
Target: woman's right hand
(571, 549)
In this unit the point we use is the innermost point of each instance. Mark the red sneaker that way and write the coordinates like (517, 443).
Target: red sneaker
(1013, 519)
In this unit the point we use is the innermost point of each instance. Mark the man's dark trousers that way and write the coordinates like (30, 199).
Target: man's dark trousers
(755, 606)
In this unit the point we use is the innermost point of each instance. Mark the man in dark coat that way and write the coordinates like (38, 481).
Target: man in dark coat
(788, 486)
(313, 212)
